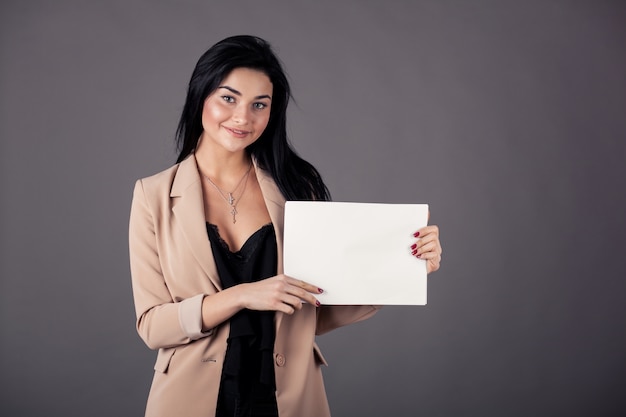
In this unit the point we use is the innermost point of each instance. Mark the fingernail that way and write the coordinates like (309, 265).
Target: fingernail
(317, 303)
(414, 252)
(414, 246)
(419, 255)
(320, 290)
(416, 234)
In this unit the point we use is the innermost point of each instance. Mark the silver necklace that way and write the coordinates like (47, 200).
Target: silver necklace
(231, 200)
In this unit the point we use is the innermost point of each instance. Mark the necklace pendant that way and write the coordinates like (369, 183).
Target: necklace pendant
(230, 199)
(233, 211)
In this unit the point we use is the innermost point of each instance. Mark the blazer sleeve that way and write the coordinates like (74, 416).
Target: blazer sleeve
(161, 322)
(332, 317)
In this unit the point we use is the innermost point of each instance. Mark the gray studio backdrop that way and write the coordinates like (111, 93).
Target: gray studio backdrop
(508, 118)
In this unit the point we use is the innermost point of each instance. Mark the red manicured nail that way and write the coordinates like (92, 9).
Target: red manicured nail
(414, 252)
(416, 234)
(320, 290)
(317, 303)
(414, 246)
(419, 256)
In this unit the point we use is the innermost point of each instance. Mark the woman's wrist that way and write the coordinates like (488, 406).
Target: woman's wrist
(221, 306)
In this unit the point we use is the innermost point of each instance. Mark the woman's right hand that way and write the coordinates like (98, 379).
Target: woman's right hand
(279, 293)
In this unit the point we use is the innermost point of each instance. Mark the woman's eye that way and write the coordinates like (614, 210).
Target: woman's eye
(260, 106)
(228, 99)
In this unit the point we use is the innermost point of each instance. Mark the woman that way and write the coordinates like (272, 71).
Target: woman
(236, 337)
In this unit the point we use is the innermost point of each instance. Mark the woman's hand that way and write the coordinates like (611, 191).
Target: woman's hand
(279, 293)
(428, 247)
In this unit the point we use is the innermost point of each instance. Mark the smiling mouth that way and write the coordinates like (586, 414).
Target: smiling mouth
(237, 131)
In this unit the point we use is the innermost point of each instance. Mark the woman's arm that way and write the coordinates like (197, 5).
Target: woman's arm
(279, 293)
(332, 317)
(161, 322)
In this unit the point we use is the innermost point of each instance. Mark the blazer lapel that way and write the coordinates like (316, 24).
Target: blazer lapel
(188, 209)
(275, 203)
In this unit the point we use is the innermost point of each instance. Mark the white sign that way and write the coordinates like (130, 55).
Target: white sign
(359, 253)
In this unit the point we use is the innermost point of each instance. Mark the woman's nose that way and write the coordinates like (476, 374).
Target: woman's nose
(241, 114)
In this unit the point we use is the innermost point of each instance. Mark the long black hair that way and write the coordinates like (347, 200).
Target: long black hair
(296, 178)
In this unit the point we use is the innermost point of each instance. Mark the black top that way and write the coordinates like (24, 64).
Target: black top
(248, 366)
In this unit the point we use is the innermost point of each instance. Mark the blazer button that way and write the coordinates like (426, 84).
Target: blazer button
(280, 360)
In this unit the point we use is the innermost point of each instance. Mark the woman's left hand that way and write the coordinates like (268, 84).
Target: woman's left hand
(428, 247)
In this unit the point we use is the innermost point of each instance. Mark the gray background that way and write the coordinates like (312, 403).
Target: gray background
(508, 118)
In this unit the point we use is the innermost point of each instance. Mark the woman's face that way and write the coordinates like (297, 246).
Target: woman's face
(237, 112)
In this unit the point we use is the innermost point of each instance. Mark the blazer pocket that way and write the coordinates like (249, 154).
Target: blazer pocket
(163, 359)
(319, 358)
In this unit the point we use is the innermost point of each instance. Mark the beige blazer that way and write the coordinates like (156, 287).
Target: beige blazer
(172, 269)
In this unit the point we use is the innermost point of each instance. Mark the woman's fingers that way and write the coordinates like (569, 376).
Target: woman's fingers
(423, 247)
(428, 247)
(304, 285)
(427, 230)
(289, 304)
(304, 291)
(281, 293)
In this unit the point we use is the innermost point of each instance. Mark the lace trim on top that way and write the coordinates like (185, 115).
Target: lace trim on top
(249, 246)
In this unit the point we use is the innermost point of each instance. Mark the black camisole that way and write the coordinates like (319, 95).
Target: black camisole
(247, 386)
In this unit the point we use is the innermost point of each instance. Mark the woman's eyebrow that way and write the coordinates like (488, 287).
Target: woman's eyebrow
(232, 90)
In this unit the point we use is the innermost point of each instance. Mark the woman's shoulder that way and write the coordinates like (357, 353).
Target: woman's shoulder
(171, 181)
(160, 178)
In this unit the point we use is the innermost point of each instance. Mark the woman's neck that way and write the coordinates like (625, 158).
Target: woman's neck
(221, 167)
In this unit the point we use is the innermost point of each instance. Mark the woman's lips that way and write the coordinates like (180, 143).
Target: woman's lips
(237, 132)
